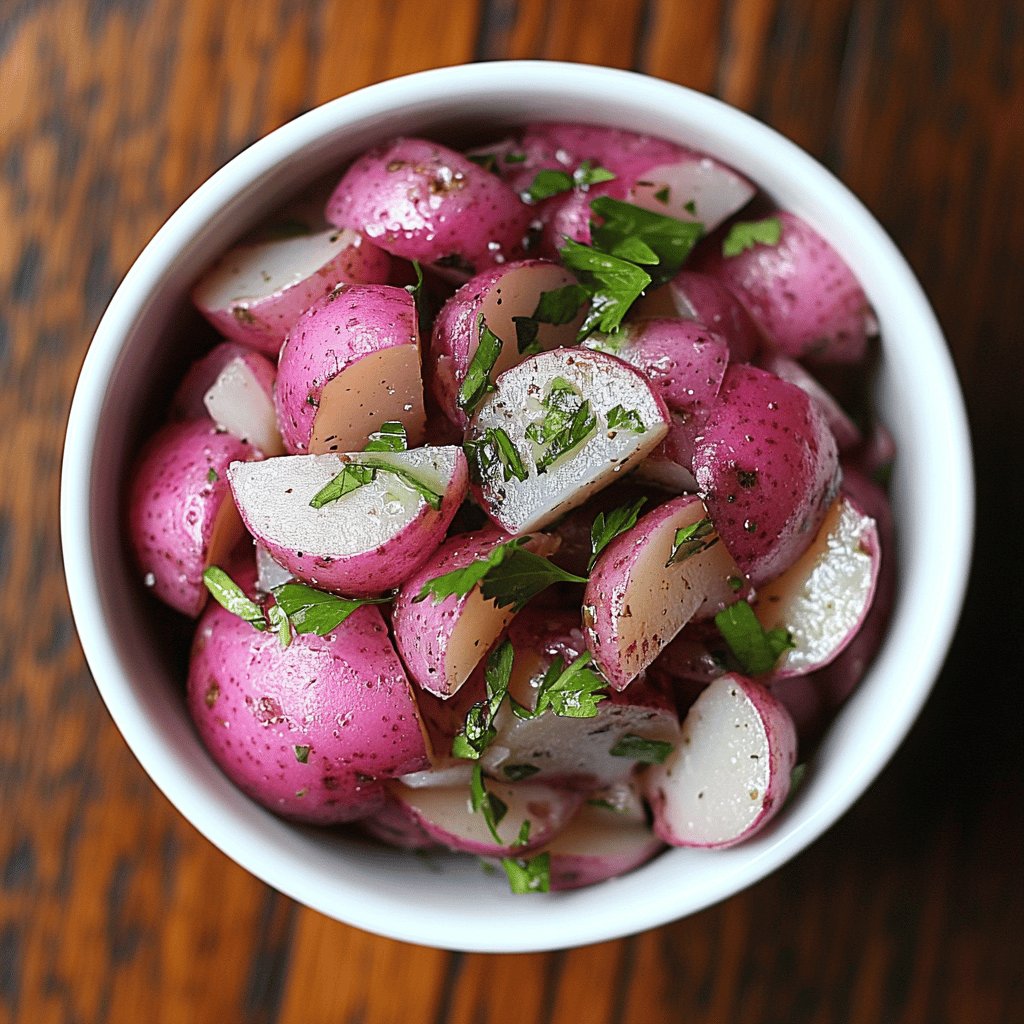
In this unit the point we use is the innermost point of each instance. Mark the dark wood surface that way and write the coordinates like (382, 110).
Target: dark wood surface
(112, 908)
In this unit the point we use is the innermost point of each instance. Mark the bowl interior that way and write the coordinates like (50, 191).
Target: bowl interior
(136, 653)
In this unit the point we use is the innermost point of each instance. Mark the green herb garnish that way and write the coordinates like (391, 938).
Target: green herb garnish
(691, 540)
(745, 235)
(620, 418)
(230, 596)
(357, 474)
(643, 236)
(587, 174)
(608, 525)
(351, 478)
(520, 577)
(314, 611)
(550, 182)
(662, 195)
(494, 451)
(558, 306)
(614, 285)
(301, 753)
(568, 422)
(756, 649)
(639, 748)
(518, 772)
(478, 729)
(570, 692)
(390, 438)
(477, 382)
(211, 475)
(529, 875)
(483, 802)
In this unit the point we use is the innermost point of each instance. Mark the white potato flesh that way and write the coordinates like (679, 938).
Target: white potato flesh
(823, 598)
(715, 191)
(639, 598)
(517, 404)
(268, 573)
(381, 386)
(446, 814)
(367, 540)
(238, 403)
(256, 271)
(732, 770)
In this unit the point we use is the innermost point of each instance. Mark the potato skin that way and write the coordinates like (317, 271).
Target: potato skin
(800, 291)
(177, 490)
(422, 201)
(338, 330)
(768, 469)
(257, 706)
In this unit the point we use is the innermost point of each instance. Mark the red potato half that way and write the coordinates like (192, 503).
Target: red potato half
(305, 729)
(498, 295)
(370, 539)
(445, 813)
(422, 201)
(442, 643)
(731, 773)
(768, 468)
(350, 364)
(823, 597)
(521, 403)
(180, 514)
(256, 292)
(804, 297)
(639, 597)
(710, 302)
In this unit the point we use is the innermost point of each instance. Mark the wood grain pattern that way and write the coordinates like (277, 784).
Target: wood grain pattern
(112, 908)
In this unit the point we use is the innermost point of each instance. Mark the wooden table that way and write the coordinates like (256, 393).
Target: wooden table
(112, 908)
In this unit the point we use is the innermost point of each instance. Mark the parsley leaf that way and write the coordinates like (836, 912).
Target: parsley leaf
(492, 452)
(639, 748)
(478, 374)
(745, 235)
(532, 875)
(614, 284)
(567, 423)
(301, 753)
(756, 650)
(351, 477)
(390, 438)
(608, 525)
(478, 729)
(488, 161)
(547, 183)
(558, 306)
(691, 540)
(486, 803)
(587, 174)
(620, 418)
(461, 581)
(314, 611)
(570, 692)
(230, 596)
(280, 624)
(211, 475)
(627, 229)
(521, 576)
(518, 772)
(357, 474)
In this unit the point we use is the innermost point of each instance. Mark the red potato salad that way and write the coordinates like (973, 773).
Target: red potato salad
(519, 506)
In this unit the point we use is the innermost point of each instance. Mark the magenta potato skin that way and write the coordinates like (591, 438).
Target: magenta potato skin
(768, 468)
(801, 293)
(177, 490)
(711, 303)
(343, 695)
(422, 201)
(338, 330)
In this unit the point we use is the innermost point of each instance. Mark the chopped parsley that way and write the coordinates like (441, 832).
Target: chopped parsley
(478, 729)
(572, 691)
(230, 596)
(692, 540)
(314, 611)
(756, 649)
(549, 182)
(745, 235)
(558, 306)
(211, 475)
(390, 438)
(663, 194)
(477, 382)
(639, 748)
(357, 474)
(492, 452)
(608, 525)
(518, 772)
(528, 875)
(567, 423)
(614, 285)
(486, 803)
(620, 418)
(301, 753)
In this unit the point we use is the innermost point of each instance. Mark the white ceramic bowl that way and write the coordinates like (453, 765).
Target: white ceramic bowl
(137, 350)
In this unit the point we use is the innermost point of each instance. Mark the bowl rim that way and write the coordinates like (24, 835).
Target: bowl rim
(568, 919)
